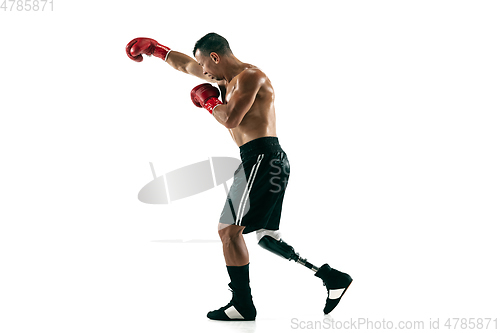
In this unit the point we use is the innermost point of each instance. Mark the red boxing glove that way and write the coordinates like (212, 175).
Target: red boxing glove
(139, 46)
(205, 96)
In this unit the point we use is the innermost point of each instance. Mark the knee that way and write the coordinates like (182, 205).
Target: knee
(230, 234)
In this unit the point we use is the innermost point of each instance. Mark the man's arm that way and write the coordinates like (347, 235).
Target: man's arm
(243, 96)
(186, 64)
(180, 61)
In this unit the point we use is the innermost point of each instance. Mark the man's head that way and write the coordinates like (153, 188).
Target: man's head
(212, 42)
(209, 51)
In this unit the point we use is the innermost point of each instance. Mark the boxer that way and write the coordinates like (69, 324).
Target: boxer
(254, 201)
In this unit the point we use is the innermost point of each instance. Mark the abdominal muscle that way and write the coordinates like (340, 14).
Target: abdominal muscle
(254, 126)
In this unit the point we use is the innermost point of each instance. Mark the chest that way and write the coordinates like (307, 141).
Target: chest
(226, 92)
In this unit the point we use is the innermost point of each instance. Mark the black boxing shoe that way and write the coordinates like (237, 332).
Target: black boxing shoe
(336, 283)
(240, 307)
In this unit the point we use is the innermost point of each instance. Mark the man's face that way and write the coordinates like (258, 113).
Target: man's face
(208, 64)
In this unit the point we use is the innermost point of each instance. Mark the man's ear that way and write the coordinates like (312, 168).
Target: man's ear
(215, 57)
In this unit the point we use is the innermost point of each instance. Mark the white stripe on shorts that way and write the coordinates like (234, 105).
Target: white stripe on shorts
(246, 193)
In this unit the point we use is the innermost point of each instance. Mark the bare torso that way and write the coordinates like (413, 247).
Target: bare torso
(260, 120)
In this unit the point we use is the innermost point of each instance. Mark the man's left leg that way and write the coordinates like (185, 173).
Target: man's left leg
(233, 244)
(235, 251)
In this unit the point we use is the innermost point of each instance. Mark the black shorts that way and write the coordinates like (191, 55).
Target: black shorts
(259, 185)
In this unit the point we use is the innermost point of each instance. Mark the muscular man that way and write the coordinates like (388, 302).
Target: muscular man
(255, 199)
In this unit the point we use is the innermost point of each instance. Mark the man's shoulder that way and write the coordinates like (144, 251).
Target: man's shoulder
(253, 71)
(251, 74)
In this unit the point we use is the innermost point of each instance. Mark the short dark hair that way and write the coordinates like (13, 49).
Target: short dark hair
(212, 42)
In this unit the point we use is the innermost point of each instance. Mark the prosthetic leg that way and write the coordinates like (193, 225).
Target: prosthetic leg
(336, 282)
(271, 241)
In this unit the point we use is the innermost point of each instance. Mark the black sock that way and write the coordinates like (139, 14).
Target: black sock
(240, 277)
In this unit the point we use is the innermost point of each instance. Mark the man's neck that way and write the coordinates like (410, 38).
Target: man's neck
(233, 68)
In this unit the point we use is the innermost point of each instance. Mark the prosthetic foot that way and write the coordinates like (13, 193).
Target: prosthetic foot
(336, 283)
(239, 308)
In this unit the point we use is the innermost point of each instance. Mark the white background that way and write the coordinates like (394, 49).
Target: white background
(388, 111)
